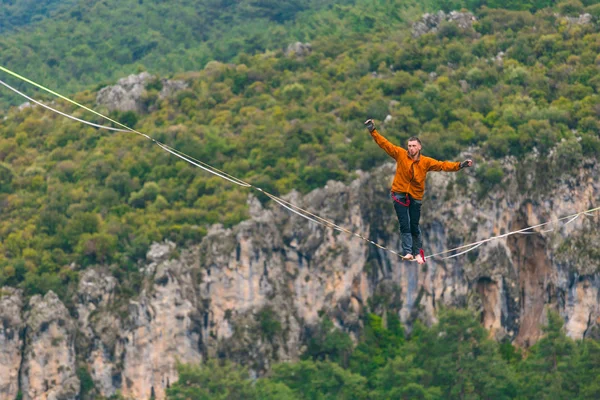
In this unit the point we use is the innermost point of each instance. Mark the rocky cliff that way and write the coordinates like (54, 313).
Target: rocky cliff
(252, 293)
(128, 93)
(11, 341)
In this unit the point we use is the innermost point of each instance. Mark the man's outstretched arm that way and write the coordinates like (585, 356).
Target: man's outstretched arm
(448, 166)
(382, 142)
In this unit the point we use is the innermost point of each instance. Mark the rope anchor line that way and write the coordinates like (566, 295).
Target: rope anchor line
(285, 204)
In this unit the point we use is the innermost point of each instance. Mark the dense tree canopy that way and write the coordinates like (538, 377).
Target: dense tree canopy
(87, 43)
(454, 359)
(19, 13)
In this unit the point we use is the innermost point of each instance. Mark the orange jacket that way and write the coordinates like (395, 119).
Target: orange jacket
(410, 175)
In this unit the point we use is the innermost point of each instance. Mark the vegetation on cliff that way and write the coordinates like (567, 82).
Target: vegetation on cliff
(517, 83)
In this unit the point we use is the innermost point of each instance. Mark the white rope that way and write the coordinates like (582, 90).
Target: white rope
(303, 213)
(549, 230)
(275, 199)
(466, 251)
(62, 113)
(165, 148)
(571, 217)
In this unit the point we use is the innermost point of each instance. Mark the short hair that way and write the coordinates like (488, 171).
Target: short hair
(415, 139)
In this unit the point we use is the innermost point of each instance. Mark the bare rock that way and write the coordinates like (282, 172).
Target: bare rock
(100, 328)
(255, 208)
(298, 49)
(583, 19)
(499, 59)
(170, 87)
(162, 328)
(582, 306)
(127, 94)
(464, 20)
(160, 251)
(11, 342)
(431, 22)
(48, 370)
(25, 106)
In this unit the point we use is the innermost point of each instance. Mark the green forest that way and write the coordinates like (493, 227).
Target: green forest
(75, 44)
(87, 43)
(454, 359)
(19, 13)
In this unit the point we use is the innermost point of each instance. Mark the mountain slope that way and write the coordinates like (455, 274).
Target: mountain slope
(19, 13)
(76, 194)
(94, 42)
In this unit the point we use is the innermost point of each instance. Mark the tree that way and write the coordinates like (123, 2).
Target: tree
(548, 372)
(401, 379)
(320, 380)
(328, 343)
(278, 10)
(588, 369)
(462, 361)
(266, 389)
(6, 177)
(378, 344)
(212, 381)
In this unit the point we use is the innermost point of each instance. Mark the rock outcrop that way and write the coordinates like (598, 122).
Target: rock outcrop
(11, 341)
(583, 19)
(133, 347)
(48, 371)
(164, 320)
(432, 22)
(298, 49)
(128, 93)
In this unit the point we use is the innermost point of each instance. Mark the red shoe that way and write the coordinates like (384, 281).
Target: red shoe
(421, 257)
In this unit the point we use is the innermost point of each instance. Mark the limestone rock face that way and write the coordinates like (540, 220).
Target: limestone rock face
(170, 87)
(431, 22)
(162, 326)
(583, 19)
(254, 292)
(49, 369)
(133, 347)
(99, 329)
(298, 49)
(11, 341)
(127, 94)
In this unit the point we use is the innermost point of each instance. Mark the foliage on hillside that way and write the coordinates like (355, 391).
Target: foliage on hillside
(92, 42)
(517, 84)
(453, 359)
(18, 13)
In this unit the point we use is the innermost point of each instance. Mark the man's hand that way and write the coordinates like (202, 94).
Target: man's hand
(466, 163)
(370, 125)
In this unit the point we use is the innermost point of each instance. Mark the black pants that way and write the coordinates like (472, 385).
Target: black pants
(408, 211)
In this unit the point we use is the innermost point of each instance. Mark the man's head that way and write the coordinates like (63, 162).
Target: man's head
(414, 146)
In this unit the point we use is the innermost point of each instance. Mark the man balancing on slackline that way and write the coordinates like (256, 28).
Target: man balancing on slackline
(408, 187)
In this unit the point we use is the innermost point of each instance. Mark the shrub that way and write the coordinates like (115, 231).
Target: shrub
(571, 7)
